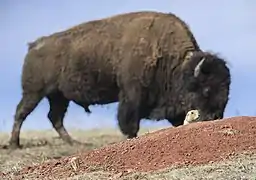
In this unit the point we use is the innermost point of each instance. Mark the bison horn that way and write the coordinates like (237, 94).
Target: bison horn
(198, 68)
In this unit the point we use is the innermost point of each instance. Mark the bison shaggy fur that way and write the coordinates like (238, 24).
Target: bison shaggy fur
(147, 61)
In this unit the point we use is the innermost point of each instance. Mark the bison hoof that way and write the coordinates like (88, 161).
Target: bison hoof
(73, 142)
(14, 146)
(77, 143)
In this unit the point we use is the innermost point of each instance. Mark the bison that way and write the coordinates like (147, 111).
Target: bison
(147, 61)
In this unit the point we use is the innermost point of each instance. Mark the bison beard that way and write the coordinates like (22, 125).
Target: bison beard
(149, 62)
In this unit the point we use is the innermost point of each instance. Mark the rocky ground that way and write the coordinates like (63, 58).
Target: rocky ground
(224, 149)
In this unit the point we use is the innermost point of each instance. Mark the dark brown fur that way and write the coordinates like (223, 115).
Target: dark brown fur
(139, 59)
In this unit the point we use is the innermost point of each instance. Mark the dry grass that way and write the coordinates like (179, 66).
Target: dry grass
(44, 145)
(40, 146)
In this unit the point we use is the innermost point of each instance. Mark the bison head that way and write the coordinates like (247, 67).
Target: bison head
(206, 85)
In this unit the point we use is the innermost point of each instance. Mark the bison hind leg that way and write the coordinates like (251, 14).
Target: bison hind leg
(26, 105)
(58, 107)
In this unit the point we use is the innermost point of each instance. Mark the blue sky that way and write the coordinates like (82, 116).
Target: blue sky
(227, 27)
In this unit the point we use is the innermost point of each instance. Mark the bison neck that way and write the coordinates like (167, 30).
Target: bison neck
(169, 100)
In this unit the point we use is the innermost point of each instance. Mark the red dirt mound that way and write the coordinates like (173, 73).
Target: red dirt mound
(197, 143)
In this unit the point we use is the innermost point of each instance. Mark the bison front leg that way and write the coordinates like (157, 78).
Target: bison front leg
(128, 113)
(58, 107)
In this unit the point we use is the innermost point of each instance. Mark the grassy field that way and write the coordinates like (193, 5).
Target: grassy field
(43, 145)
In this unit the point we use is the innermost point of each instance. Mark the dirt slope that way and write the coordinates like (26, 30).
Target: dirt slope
(197, 143)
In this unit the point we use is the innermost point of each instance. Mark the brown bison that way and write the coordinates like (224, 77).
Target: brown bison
(149, 62)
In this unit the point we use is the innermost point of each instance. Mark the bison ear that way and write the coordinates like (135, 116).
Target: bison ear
(206, 91)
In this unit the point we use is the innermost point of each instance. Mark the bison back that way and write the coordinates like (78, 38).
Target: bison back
(130, 44)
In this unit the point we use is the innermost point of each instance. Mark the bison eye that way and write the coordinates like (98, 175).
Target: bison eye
(206, 91)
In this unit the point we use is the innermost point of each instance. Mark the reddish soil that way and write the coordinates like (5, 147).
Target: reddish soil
(197, 143)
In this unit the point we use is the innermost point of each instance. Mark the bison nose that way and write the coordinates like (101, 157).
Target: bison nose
(217, 117)
(213, 117)
(208, 117)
